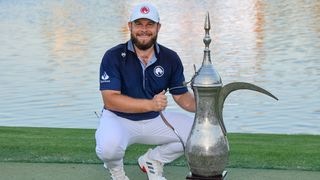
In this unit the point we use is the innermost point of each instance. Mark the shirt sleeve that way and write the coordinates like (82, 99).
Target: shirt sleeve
(109, 73)
(177, 78)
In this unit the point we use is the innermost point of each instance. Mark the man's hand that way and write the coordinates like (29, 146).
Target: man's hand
(159, 101)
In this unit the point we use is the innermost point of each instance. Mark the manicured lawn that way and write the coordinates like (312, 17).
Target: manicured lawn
(57, 145)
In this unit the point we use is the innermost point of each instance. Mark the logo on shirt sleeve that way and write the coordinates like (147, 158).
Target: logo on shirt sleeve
(105, 78)
(158, 71)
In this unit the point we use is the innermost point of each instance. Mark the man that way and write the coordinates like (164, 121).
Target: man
(134, 78)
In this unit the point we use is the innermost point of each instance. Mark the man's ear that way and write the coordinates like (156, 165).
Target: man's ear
(130, 26)
(158, 27)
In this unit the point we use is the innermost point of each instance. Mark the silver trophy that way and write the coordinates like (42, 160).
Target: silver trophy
(207, 147)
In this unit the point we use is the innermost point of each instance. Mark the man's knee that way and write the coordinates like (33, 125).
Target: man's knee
(109, 153)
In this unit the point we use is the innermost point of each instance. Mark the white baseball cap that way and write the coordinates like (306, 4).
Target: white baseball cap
(144, 10)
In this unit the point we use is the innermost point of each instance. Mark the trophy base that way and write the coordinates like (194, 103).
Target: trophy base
(222, 176)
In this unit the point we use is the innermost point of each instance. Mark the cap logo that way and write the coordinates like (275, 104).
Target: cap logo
(144, 10)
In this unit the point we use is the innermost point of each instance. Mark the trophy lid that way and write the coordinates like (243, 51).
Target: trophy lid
(206, 76)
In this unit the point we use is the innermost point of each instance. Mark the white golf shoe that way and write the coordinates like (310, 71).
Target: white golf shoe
(117, 173)
(153, 168)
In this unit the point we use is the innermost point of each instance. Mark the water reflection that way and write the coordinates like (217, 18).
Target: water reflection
(51, 51)
(237, 37)
(66, 36)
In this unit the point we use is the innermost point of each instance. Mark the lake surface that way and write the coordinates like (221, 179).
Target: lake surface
(51, 52)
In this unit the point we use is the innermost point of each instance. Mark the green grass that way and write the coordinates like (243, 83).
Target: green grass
(55, 145)
(275, 151)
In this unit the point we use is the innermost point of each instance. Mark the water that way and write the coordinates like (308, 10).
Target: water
(51, 52)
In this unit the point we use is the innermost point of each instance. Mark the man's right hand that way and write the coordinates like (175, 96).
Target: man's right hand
(160, 101)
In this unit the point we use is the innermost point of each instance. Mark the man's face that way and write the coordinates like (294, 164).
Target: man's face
(144, 33)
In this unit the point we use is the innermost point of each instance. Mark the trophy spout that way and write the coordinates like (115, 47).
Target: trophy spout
(227, 89)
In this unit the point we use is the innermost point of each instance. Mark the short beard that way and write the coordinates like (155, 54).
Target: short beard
(144, 46)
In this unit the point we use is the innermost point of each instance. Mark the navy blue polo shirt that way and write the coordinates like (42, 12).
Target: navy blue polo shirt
(122, 70)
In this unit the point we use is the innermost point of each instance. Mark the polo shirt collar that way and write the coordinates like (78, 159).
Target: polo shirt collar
(131, 48)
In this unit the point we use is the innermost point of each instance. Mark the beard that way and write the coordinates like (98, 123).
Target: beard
(144, 45)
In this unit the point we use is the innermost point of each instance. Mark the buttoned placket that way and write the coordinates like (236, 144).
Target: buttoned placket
(144, 68)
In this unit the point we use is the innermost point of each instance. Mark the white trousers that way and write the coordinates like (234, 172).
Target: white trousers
(115, 134)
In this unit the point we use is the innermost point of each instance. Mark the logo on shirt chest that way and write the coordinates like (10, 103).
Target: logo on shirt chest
(158, 71)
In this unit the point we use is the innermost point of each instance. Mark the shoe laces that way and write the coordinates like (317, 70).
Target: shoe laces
(118, 174)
